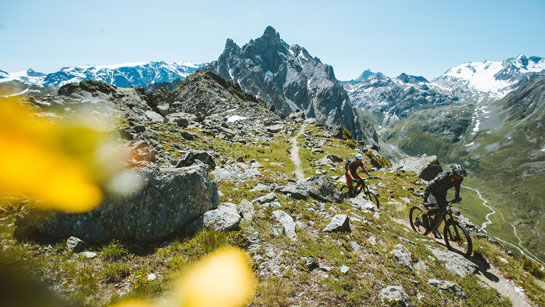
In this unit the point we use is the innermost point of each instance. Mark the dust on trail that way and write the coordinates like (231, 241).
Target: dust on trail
(294, 154)
(492, 277)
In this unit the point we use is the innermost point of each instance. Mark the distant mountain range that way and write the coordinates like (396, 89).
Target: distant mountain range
(122, 75)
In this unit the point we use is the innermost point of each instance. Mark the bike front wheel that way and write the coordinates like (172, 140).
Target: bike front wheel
(419, 222)
(374, 198)
(457, 238)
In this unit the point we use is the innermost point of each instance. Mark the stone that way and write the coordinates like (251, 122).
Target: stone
(287, 223)
(169, 200)
(340, 222)
(74, 243)
(403, 256)
(426, 167)
(88, 254)
(192, 155)
(187, 135)
(269, 198)
(154, 117)
(394, 295)
(344, 269)
(335, 158)
(297, 190)
(224, 218)
(246, 210)
(151, 277)
(454, 262)
(235, 172)
(448, 286)
(362, 203)
(320, 188)
(262, 187)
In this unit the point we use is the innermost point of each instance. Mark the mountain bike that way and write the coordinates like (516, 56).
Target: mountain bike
(456, 237)
(360, 187)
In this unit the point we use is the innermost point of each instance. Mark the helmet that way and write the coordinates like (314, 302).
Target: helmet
(459, 170)
(359, 156)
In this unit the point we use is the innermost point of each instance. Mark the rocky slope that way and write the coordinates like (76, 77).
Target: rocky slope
(308, 245)
(122, 75)
(288, 78)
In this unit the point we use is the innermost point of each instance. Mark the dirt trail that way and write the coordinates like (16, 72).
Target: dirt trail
(491, 277)
(294, 155)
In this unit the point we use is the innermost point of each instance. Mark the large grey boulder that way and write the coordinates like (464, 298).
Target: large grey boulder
(362, 203)
(454, 262)
(287, 223)
(246, 210)
(170, 199)
(224, 218)
(320, 188)
(448, 286)
(339, 222)
(425, 167)
(394, 295)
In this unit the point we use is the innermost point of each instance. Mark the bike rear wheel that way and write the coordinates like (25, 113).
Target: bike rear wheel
(457, 238)
(347, 192)
(374, 198)
(418, 223)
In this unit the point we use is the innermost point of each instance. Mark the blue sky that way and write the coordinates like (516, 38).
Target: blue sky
(416, 37)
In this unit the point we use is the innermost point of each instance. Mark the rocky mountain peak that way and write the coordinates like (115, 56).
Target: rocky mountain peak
(411, 79)
(288, 78)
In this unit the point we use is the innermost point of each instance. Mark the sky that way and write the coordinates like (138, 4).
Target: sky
(423, 38)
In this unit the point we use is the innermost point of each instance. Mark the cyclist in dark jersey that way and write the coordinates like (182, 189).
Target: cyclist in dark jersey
(439, 186)
(351, 170)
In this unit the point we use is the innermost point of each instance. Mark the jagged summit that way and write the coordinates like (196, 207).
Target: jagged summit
(287, 77)
(411, 79)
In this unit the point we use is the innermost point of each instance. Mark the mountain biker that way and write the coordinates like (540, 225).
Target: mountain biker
(351, 170)
(438, 187)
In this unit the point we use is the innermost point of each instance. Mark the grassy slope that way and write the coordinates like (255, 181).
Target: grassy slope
(119, 270)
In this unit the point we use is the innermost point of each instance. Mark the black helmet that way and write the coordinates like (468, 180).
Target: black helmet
(459, 170)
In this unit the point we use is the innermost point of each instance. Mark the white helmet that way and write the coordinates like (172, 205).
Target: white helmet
(359, 156)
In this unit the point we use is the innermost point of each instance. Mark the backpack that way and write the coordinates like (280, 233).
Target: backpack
(348, 162)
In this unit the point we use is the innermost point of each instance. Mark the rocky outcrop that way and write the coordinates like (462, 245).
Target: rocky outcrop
(447, 286)
(425, 167)
(170, 199)
(287, 222)
(288, 78)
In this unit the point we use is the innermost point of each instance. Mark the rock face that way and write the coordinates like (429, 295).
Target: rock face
(169, 200)
(288, 78)
(425, 167)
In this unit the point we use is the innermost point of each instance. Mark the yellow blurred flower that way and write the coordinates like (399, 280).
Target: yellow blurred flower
(132, 303)
(222, 278)
(57, 163)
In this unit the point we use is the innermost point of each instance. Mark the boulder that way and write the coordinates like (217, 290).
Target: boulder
(192, 155)
(448, 286)
(265, 199)
(320, 188)
(394, 295)
(362, 203)
(224, 218)
(169, 199)
(74, 243)
(246, 210)
(339, 222)
(181, 119)
(287, 223)
(297, 190)
(155, 117)
(454, 262)
(425, 167)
